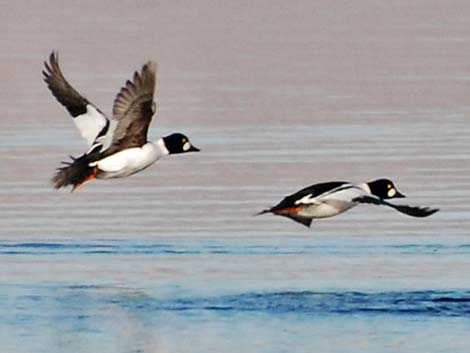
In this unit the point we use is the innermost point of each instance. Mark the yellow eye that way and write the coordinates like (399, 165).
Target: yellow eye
(184, 140)
(389, 186)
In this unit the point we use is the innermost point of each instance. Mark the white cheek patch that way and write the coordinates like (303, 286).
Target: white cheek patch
(392, 192)
(186, 146)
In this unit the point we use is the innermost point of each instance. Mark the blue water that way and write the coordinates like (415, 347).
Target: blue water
(77, 297)
(223, 247)
(87, 296)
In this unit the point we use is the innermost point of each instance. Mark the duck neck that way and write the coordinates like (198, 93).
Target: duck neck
(161, 147)
(365, 187)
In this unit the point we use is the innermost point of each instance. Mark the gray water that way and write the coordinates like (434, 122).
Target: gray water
(278, 95)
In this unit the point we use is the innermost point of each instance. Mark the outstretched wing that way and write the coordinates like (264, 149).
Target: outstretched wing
(133, 110)
(414, 211)
(89, 120)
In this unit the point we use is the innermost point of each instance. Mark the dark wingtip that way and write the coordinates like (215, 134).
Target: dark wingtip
(54, 56)
(430, 211)
(416, 211)
(49, 65)
(424, 212)
(149, 66)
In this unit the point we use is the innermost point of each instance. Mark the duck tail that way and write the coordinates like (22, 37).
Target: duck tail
(263, 212)
(74, 173)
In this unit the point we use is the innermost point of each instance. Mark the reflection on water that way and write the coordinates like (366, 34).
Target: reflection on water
(411, 303)
(263, 295)
(120, 319)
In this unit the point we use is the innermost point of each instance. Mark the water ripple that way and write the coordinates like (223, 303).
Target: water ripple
(101, 299)
(308, 302)
(286, 247)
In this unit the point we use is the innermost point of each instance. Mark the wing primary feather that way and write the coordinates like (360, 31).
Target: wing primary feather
(133, 109)
(61, 89)
(413, 211)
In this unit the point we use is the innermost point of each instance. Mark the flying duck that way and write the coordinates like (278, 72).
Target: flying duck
(332, 198)
(117, 147)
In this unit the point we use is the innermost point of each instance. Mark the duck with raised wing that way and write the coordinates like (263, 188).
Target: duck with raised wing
(117, 147)
(332, 198)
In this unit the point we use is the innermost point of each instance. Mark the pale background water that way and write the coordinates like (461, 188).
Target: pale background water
(278, 95)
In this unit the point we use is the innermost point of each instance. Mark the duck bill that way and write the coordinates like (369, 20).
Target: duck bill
(193, 149)
(399, 195)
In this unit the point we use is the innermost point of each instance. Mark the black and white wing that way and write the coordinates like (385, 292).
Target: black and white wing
(310, 193)
(414, 211)
(133, 110)
(90, 121)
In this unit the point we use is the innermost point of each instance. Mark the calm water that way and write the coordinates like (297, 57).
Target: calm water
(276, 295)
(278, 95)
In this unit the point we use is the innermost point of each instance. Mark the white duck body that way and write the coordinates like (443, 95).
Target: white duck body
(130, 161)
(333, 202)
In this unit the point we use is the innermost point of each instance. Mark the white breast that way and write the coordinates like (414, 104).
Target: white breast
(127, 162)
